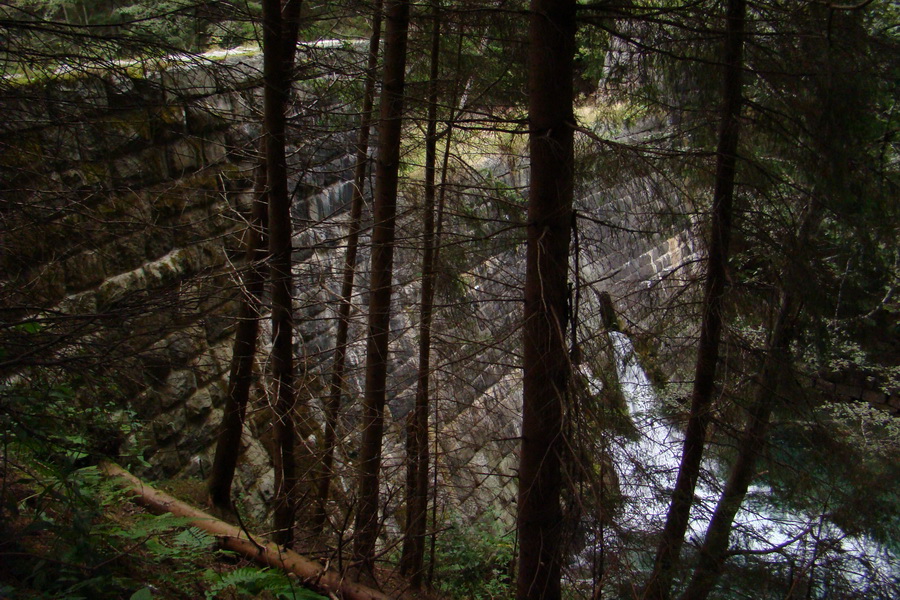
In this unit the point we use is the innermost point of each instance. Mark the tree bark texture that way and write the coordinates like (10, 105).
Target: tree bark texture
(240, 376)
(545, 362)
(384, 212)
(672, 539)
(233, 538)
(276, 76)
(336, 387)
(439, 225)
(714, 550)
(417, 452)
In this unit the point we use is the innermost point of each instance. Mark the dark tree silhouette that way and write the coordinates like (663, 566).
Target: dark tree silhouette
(546, 367)
(384, 211)
(659, 584)
(336, 387)
(417, 454)
(276, 74)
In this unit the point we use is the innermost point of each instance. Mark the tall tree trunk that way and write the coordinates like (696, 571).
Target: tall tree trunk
(659, 585)
(243, 351)
(545, 362)
(204, 13)
(442, 193)
(715, 545)
(460, 97)
(245, 341)
(417, 454)
(276, 75)
(384, 211)
(336, 388)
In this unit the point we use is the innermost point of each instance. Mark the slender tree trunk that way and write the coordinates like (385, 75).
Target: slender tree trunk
(244, 350)
(659, 585)
(336, 388)
(545, 362)
(714, 551)
(276, 74)
(417, 454)
(384, 210)
(715, 546)
(460, 99)
(437, 250)
(245, 341)
(203, 15)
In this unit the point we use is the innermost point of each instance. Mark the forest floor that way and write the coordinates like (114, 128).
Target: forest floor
(78, 536)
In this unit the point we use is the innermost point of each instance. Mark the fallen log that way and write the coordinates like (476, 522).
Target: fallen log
(233, 538)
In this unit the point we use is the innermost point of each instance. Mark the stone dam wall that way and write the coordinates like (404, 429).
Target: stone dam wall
(125, 194)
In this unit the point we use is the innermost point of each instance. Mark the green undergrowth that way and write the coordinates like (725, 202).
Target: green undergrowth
(69, 532)
(473, 561)
(74, 535)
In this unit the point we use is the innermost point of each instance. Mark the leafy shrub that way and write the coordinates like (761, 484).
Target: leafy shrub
(472, 561)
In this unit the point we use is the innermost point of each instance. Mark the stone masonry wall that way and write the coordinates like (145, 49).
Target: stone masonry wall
(125, 194)
(124, 198)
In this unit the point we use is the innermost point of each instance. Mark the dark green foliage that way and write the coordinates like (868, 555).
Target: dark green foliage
(593, 44)
(473, 561)
(859, 490)
(186, 25)
(58, 427)
(63, 532)
(66, 537)
(64, 528)
(252, 582)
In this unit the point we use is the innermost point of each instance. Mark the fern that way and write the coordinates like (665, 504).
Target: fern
(242, 578)
(195, 539)
(145, 526)
(252, 581)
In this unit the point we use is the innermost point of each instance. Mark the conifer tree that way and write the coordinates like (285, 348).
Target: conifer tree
(545, 360)
(387, 167)
(338, 368)
(417, 453)
(277, 28)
